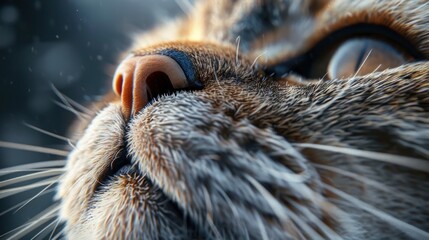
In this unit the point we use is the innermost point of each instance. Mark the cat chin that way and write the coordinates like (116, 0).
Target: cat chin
(130, 206)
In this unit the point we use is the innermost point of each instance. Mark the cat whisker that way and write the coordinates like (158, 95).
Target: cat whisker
(209, 207)
(14, 230)
(35, 196)
(22, 169)
(32, 220)
(66, 104)
(48, 133)
(376, 69)
(31, 148)
(2, 172)
(310, 232)
(256, 59)
(78, 114)
(31, 176)
(50, 225)
(410, 162)
(320, 109)
(35, 222)
(208, 217)
(363, 63)
(234, 210)
(58, 235)
(316, 220)
(25, 201)
(406, 228)
(185, 6)
(237, 51)
(55, 228)
(274, 204)
(362, 179)
(12, 191)
(323, 77)
(218, 83)
(71, 144)
(79, 106)
(36, 165)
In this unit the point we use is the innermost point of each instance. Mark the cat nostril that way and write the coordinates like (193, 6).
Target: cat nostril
(139, 79)
(158, 83)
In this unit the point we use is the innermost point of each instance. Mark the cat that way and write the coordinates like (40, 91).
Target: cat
(260, 119)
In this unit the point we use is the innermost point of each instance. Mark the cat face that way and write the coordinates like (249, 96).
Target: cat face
(261, 119)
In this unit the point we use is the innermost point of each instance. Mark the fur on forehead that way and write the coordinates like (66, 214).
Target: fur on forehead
(270, 27)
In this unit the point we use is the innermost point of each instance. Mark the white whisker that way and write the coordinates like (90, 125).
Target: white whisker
(36, 221)
(30, 176)
(47, 133)
(256, 59)
(218, 83)
(406, 228)
(237, 51)
(66, 104)
(12, 191)
(55, 228)
(271, 201)
(363, 62)
(14, 230)
(316, 220)
(209, 219)
(58, 235)
(185, 6)
(31, 148)
(24, 202)
(235, 211)
(38, 166)
(323, 77)
(362, 179)
(413, 163)
(50, 225)
(2, 172)
(81, 108)
(284, 214)
(310, 232)
(376, 69)
(78, 114)
(35, 196)
(33, 219)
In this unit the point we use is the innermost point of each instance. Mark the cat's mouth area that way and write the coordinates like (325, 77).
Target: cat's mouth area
(103, 186)
(137, 186)
(118, 165)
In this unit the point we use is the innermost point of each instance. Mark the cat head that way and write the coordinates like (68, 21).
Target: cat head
(260, 119)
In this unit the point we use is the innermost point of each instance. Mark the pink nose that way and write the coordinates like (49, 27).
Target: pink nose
(139, 79)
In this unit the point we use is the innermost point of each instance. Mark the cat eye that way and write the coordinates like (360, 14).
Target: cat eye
(358, 57)
(354, 51)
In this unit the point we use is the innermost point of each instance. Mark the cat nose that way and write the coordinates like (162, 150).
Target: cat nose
(140, 79)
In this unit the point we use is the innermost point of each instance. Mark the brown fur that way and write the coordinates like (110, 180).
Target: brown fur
(231, 160)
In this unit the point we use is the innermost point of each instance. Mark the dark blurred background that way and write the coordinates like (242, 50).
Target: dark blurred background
(70, 44)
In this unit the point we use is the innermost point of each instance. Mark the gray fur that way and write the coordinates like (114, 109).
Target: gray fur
(233, 157)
